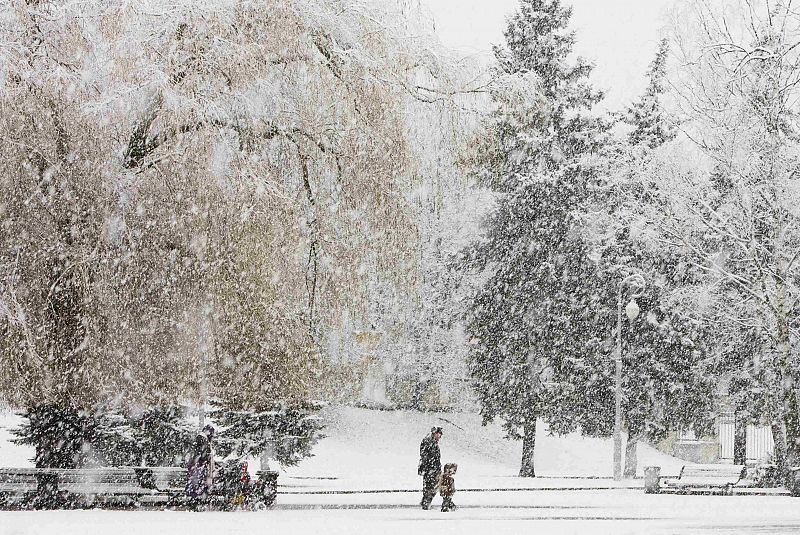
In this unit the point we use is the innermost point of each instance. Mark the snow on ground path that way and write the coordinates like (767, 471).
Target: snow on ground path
(596, 512)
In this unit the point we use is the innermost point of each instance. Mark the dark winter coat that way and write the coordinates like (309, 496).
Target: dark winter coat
(448, 485)
(430, 457)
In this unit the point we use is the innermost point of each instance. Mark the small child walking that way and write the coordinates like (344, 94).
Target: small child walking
(448, 487)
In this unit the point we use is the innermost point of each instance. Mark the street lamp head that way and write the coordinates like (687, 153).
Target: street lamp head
(632, 310)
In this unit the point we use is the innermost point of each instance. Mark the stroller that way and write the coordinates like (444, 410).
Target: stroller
(233, 487)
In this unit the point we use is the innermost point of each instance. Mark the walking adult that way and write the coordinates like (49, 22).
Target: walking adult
(200, 467)
(430, 465)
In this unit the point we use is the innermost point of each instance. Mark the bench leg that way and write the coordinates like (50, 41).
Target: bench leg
(47, 494)
(652, 479)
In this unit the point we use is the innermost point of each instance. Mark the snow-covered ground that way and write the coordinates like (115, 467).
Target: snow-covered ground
(619, 512)
(379, 450)
(376, 450)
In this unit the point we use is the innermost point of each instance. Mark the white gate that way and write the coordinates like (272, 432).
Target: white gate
(759, 439)
(759, 442)
(727, 433)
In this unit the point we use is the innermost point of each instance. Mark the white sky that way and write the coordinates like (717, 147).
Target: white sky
(620, 36)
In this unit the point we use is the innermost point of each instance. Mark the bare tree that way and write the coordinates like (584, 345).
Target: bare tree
(728, 191)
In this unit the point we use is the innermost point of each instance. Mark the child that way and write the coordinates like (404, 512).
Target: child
(448, 487)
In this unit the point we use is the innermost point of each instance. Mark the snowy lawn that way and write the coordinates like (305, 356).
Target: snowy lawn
(367, 449)
(377, 450)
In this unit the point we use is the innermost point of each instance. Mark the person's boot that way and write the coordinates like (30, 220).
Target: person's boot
(426, 502)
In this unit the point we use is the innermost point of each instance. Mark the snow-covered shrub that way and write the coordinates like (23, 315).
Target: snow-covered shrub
(163, 436)
(68, 437)
(287, 431)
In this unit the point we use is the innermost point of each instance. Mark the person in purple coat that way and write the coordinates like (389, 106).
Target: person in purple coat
(200, 467)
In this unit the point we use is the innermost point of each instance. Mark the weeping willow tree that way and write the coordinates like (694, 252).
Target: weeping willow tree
(191, 188)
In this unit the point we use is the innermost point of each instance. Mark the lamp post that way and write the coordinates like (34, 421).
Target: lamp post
(632, 311)
(206, 346)
(203, 389)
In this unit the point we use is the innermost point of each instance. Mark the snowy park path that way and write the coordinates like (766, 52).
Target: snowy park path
(480, 513)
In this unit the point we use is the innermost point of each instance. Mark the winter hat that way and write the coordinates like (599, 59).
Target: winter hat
(208, 430)
(436, 430)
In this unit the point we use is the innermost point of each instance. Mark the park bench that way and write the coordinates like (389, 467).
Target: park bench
(699, 478)
(17, 485)
(88, 486)
(131, 486)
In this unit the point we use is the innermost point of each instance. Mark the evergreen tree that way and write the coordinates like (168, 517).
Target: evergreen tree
(163, 435)
(528, 318)
(285, 431)
(652, 127)
(66, 437)
(666, 383)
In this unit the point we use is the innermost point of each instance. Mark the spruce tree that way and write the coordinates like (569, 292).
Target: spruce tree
(651, 125)
(66, 437)
(666, 383)
(286, 431)
(529, 316)
(163, 435)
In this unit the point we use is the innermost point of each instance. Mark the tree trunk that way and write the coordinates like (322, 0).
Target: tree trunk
(739, 438)
(528, 444)
(779, 435)
(791, 424)
(630, 456)
(786, 434)
(531, 415)
(312, 264)
(268, 452)
(793, 453)
(782, 430)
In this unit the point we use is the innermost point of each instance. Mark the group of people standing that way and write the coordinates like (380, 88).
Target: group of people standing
(433, 478)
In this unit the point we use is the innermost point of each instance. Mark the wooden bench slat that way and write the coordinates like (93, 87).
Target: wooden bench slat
(91, 489)
(721, 473)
